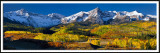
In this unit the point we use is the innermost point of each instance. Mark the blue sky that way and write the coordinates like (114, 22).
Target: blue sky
(69, 9)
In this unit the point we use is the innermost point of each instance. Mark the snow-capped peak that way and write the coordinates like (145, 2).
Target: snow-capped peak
(134, 13)
(114, 11)
(93, 16)
(96, 10)
(21, 11)
(80, 16)
(109, 11)
(83, 16)
(151, 16)
(33, 19)
(55, 15)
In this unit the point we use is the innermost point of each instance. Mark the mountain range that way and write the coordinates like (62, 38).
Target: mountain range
(95, 16)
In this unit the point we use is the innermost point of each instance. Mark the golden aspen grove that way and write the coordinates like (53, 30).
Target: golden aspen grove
(137, 35)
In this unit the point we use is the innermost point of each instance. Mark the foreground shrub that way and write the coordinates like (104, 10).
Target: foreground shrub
(153, 43)
(18, 32)
(77, 46)
(55, 44)
(133, 43)
(61, 37)
(16, 35)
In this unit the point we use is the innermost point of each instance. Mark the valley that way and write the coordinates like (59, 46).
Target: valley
(75, 36)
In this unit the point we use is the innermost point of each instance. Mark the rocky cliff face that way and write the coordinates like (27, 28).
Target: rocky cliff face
(95, 16)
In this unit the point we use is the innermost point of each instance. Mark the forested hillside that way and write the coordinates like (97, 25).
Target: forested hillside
(133, 35)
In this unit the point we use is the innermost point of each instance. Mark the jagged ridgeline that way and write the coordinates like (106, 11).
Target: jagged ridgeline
(95, 16)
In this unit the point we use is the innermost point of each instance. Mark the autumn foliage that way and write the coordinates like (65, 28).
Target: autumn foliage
(139, 29)
(74, 36)
(133, 43)
(16, 35)
(55, 44)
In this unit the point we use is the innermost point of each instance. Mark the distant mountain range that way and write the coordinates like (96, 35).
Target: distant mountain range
(93, 16)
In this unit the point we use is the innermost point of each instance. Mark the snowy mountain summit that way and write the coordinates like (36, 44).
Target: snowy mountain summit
(33, 19)
(98, 16)
(94, 16)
